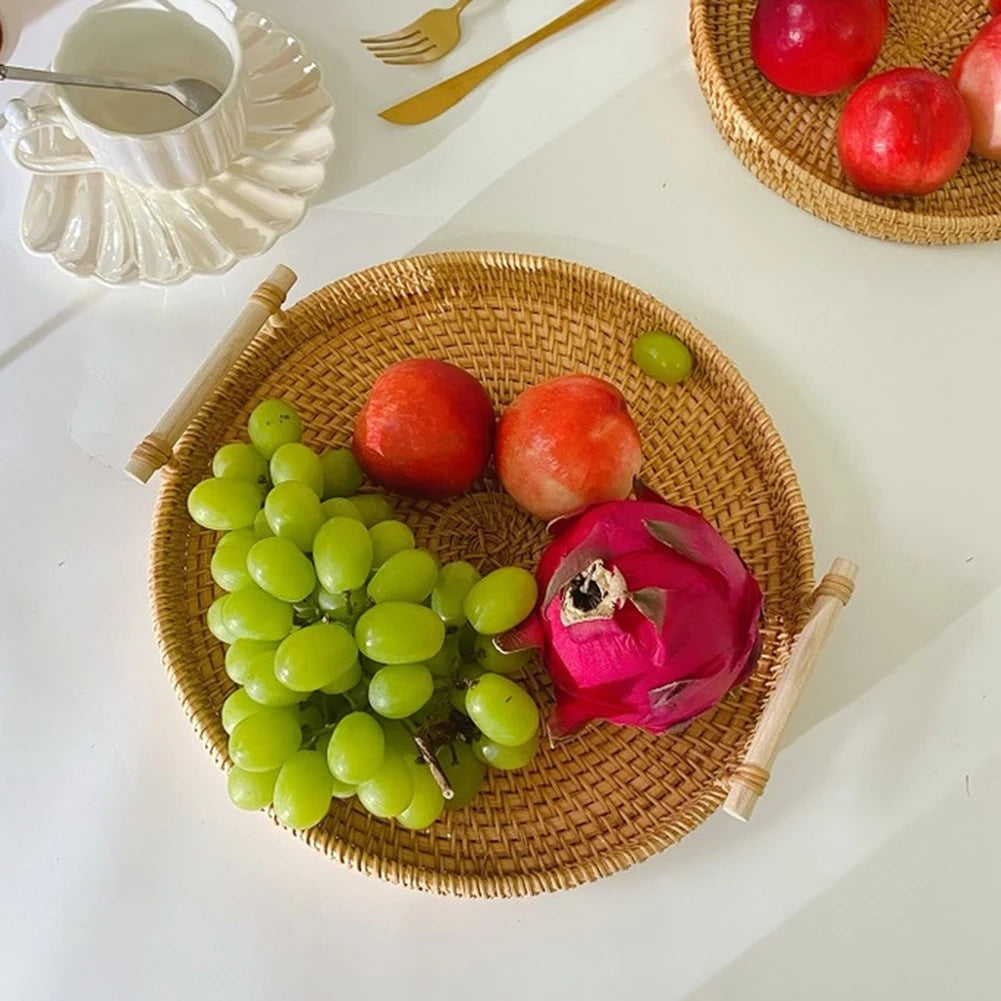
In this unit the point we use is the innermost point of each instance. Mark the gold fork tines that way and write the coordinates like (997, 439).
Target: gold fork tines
(430, 37)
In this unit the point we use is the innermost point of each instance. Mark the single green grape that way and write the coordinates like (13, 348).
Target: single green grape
(262, 685)
(251, 790)
(294, 513)
(450, 590)
(340, 507)
(356, 749)
(388, 539)
(253, 614)
(662, 356)
(398, 632)
(501, 600)
(224, 505)
(389, 791)
(229, 561)
(342, 476)
(273, 423)
(239, 461)
(427, 802)
(279, 567)
(464, 771)
(503, 757)
(343, 790)
(407, 576)
(298, 463)
(238, 706)
(464, 677)
(342, 553)
(488, 656)
(445, 662)
(503, 710)
(343, 606)
(303, 790)
(399, 740)
(467, 642)
(399, 690)
(241, 653)
(261, 527)
(314, 656)
(215, 619)
(310, 717)
(373, 508)
(265, 740)
(345, 682)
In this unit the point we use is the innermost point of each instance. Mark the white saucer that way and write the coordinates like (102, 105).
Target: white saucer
(98, 225)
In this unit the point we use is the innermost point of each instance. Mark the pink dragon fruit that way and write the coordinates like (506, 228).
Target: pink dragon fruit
(647, 617)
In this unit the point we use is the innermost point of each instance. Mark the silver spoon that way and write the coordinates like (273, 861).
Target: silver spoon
(195, 96)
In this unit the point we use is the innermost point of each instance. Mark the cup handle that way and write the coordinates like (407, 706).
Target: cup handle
(24, 121)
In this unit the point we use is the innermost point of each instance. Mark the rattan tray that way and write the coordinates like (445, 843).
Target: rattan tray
(612, 796)
(789, 142)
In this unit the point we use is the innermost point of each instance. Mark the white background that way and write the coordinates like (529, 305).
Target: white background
(872, 868)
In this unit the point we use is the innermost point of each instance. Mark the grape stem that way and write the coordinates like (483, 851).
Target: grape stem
(432, 762)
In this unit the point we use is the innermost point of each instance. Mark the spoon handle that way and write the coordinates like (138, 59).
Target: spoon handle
(71, 80)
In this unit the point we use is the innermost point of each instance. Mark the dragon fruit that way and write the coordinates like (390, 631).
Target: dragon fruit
(646, 618)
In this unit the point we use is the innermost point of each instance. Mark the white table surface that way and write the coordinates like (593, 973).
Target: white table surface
(872, 868)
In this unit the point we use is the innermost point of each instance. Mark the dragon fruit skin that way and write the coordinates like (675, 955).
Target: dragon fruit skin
(647, 616)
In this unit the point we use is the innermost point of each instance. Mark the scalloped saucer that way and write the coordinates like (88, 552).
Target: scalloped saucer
(100, 226)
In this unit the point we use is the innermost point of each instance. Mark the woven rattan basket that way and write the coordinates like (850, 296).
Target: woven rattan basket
(612, 796)
(789, 142)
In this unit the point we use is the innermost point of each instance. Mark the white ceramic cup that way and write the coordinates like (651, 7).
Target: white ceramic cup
(144, 138)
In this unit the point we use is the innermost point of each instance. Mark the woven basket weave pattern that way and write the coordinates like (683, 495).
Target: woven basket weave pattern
(612, 796)
(790, 142)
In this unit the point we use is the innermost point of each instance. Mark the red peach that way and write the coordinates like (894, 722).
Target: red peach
(567, 443)
(977, 74)
(426, 429)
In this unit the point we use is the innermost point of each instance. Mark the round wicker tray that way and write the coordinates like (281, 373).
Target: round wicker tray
(789, 142)
(612, 796)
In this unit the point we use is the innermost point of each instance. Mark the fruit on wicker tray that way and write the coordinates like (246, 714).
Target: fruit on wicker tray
(648, 617)
(817, 47)
(977, 75)
(565, 444)
(426, 429)
(903, 132)
(361, 672)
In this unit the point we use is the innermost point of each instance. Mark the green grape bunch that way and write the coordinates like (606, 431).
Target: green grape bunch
(364, 667)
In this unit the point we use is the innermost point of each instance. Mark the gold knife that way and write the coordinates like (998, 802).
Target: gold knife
(432, 102)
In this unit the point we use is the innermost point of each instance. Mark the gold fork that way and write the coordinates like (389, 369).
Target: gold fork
(430, 37)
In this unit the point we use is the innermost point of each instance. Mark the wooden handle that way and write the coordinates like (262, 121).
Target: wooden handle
(157, 448)
(751, 776)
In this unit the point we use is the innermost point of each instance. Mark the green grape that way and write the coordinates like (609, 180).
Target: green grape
(388, 538)
(215, 619)
(344, 683)
(464, 771)
(238, 706)
(662, 356)
(253, 614)
(225, 505)
(389, 791)
(321, 742)
(501, 600)
(343, 790)
(263, 741)
(251, 790)
(399, 740)
(467, 642)
(427, 802)
(229, 561)
(444, 663)
(297, 463)
(503, 757)
(397, 632)
(453, 584)
(314, 656)
(373, 508)
(279, 567)
(399, 690)
(239, 461)
(262, 685)
(303, 790)
(310, 717)
(464, 677)
(340, 507)
(342, 553)
(261, 527)
(241, 653)
(273, 423)
(356, 748)
(503, 710)
(342, 476)
(294, 513)
(488, 656)
(343, 606)
(408, 576)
